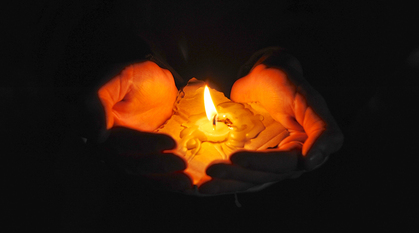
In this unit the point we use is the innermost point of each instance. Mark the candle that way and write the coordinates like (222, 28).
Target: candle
(209, 127)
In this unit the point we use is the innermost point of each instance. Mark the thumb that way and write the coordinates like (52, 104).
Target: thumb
(327, 143)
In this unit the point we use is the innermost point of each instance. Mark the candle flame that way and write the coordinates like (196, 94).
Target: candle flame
(209, 105)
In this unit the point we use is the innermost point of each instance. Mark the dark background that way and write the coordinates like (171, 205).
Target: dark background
(362, 57)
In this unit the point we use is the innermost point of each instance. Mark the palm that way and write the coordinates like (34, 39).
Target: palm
(282, 99)
(313, 132)
(141, 98)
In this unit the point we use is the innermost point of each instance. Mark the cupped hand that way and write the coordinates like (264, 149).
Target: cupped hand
(136, 102)
(313, 132)
(141, 97)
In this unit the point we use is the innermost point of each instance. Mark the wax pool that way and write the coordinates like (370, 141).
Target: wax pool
(239, 126)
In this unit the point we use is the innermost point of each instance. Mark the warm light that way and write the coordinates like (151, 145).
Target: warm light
(239, 126)
(209, 105)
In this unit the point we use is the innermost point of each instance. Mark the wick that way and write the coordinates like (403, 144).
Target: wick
(225, 121)
(214, 121)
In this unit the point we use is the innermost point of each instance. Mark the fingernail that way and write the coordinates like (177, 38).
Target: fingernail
(316, 158)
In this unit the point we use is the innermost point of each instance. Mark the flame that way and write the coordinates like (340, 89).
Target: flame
(209, 105)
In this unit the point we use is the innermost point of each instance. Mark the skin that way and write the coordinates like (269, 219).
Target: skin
(136, 102)
(140, 99)
(314, 134)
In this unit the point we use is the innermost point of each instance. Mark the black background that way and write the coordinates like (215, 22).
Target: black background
(362, 57)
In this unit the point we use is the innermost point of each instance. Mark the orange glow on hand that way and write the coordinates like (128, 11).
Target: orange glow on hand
(282, 99)
(141, 97)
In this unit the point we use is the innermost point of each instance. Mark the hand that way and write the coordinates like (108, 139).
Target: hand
(145, 155)
(136, 102)
(291, 101)
(141, 97)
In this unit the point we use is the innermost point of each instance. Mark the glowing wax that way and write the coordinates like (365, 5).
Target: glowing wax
(240, 126)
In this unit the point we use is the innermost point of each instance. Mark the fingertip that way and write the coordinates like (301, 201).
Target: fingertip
(313, 160)
(318, 149)
(183, 182)
(161, 163)
(216, 170)
(241, 158)
(166, 141)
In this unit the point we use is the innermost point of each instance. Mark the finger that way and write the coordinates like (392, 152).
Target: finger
(128, 141)
(327, 143)
(294, 145)
(310, 109)
(177, 181)
(153, 163)
(317, 112)
(235, 172)
(324, 134)
(274, 162)
(294, 140)
(221, 186)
